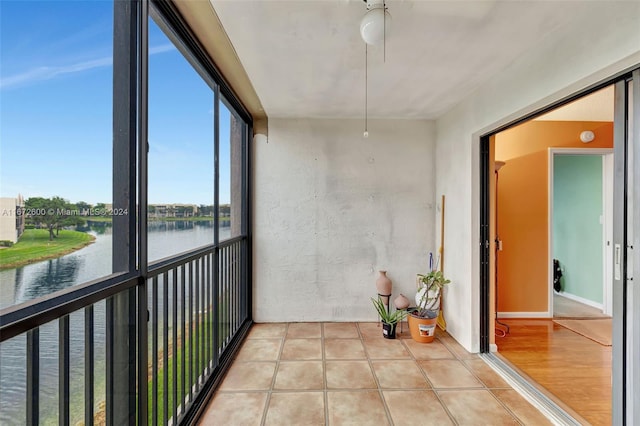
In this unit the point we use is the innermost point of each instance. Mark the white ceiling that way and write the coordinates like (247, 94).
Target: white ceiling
(305, 58)
(597, 106)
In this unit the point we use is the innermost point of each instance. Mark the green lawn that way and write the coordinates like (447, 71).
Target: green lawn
(223, 328)
(34, 246)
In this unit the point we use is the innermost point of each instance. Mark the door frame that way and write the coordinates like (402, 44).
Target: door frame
(607, 229)
(626, 302)
(626, 239)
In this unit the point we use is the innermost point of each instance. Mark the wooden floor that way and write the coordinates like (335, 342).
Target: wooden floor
(564, 307)
(574, 369)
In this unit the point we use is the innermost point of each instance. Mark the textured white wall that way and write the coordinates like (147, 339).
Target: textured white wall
(604, 40)
(331, 208)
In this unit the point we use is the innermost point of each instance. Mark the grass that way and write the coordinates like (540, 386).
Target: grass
(223, 329)
(34, 246)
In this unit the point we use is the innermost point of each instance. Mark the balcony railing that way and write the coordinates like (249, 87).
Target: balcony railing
(197, 309)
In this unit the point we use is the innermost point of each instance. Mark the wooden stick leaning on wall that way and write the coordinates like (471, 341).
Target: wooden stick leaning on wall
(441, 321)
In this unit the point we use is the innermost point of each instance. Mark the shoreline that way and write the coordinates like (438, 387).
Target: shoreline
(47, 256)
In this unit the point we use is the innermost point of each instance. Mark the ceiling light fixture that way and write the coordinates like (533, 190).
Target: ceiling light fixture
(373, 30)
(366, 91)
(374, 25)
(587, 136)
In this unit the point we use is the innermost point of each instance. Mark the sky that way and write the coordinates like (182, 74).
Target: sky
(56, 74)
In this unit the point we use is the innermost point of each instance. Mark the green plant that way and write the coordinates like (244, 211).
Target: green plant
(6, 243)
(386, 316)
(429, 288)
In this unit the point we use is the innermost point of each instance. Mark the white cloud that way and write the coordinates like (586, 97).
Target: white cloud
(47, 72)
(161, 49)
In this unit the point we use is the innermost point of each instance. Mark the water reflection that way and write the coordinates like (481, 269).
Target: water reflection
(56, 275)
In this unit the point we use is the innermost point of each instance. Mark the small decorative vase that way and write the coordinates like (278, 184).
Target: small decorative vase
(401, 302)
(388, 330)
(383, 285)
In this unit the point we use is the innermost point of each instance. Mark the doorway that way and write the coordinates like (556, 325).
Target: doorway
(580, 232)
(623, 374)
(550, 192)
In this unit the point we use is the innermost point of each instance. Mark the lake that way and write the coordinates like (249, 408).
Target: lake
(94, 261)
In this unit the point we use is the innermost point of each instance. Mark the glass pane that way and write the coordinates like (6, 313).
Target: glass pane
(13, 376)
(56, 163)
(232, 135)
(180, 152)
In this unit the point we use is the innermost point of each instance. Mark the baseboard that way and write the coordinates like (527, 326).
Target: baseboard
(493, 347)
(524, 314)
(581, 300)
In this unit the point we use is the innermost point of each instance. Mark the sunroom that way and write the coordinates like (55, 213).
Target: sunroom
(245, 169)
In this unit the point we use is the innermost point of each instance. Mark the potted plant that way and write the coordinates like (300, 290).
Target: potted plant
(422, 319)
(389, 319)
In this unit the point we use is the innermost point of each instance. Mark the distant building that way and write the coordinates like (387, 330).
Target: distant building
(11, 223)
(172, 210)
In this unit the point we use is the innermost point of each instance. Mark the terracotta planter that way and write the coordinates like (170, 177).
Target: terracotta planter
(401, 302)
(388, 330)
(383, 285)
(423, 330)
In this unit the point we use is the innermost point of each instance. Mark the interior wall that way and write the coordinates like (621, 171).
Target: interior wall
(604, 41)
(523, 194)
(332, 208)
(578, 210)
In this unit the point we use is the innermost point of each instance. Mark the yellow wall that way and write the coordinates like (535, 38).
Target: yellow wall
(523, 206)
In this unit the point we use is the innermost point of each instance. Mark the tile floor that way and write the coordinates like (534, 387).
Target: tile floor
(347, 374)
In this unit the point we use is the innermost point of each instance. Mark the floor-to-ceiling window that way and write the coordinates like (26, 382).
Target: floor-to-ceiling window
(114, 153)
(56, 86)
(181, 151)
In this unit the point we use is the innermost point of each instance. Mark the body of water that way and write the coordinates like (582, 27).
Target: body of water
(94, 261)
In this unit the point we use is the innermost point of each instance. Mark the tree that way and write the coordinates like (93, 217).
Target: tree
(205, 210)
(53, 213)
(83, 207)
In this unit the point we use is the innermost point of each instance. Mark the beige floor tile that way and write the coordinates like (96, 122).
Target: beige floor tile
(382, 348)
(302, 349)
(267, 330)
(433, 350)
(487, 375)
(416, 408)
(260, 350)
(340, 330)
(473, 407)
(402, 331)
(300, 408)
(349, 375)
(397, 374)
(356, 409)
(456, 348)
(370, 330)
(526, 413)
(449, 374)
(249, 376)
(241, 409)
(299, 375)
(343, 349)
(304, 330)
